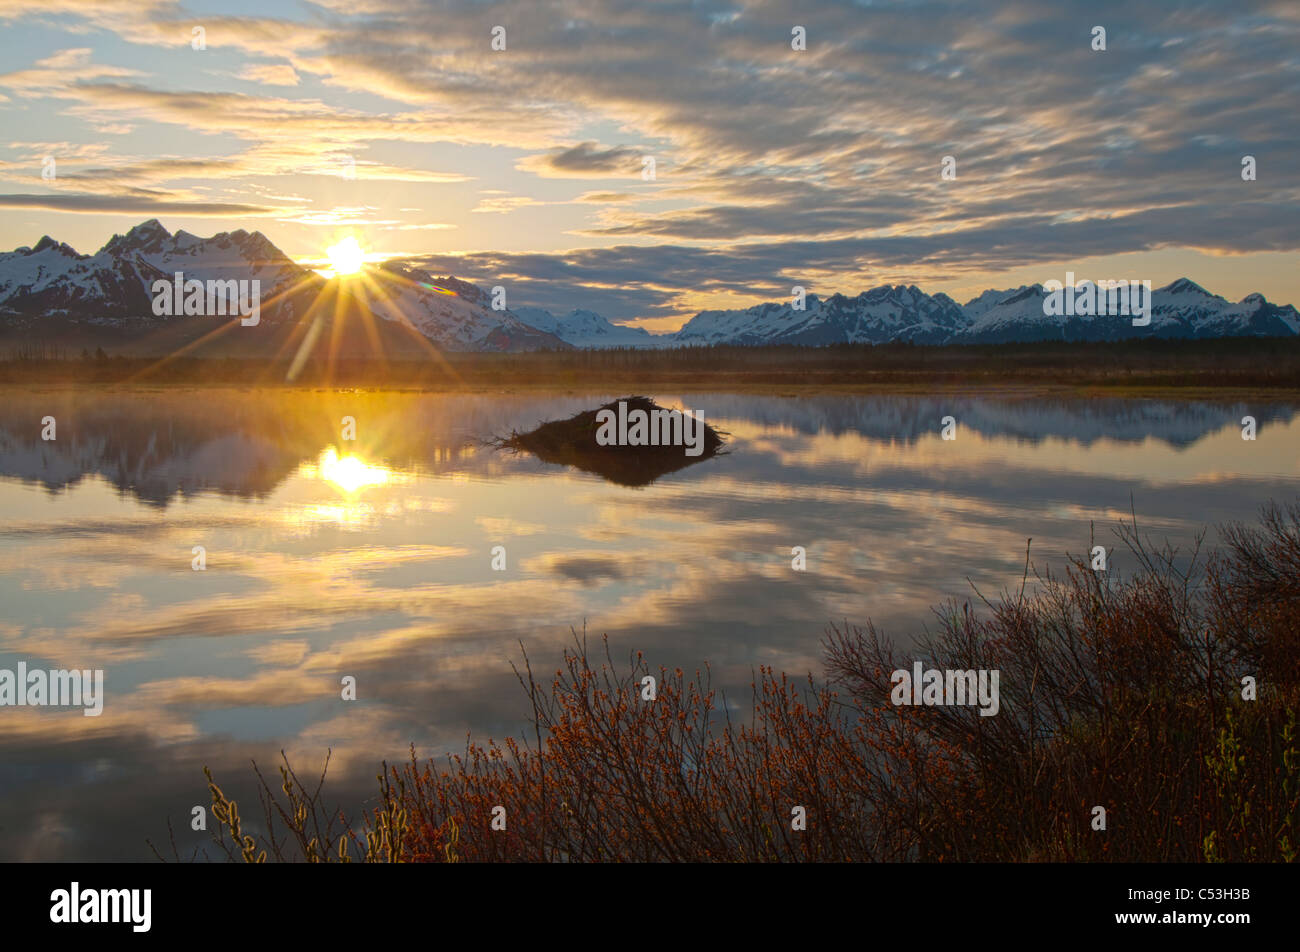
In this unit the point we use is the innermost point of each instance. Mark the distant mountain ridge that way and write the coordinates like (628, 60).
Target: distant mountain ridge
(583, 328)
(50, 283)
(112, 288)
(877, 316)
(885, 314)
(1181, 309)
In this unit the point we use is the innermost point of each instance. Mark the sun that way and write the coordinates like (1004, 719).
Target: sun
(345, 258)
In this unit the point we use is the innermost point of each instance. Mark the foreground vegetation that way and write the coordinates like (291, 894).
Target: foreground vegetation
(1125, 694)
(1245, 363)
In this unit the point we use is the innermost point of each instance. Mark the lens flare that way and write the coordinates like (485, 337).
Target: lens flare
(345, 258)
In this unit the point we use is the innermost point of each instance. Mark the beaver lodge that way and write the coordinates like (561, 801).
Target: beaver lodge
(631, 441)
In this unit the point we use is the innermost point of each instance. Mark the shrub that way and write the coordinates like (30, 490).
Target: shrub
(1121, 693)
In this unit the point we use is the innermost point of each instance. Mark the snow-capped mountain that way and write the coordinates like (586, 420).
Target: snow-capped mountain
(51, 287)
(51, 279)
(588, 329)
(50, 291)
(1182, 309)
(1013, 315)
(884, 314)
(454, 314)
(874, 317)
(1186, 304)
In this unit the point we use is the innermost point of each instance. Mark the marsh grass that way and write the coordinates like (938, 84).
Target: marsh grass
(1124, 693)
(1268, 364)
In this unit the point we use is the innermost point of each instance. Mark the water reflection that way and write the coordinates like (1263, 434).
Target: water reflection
(349, 473)
(161, 446)
(373, 558)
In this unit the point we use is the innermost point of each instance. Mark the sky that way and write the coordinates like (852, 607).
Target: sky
(398, 123)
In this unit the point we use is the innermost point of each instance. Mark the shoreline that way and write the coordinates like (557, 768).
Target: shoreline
(1217, 368)
(1010, 390)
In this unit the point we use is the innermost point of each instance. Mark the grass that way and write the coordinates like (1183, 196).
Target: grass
(1120, 693)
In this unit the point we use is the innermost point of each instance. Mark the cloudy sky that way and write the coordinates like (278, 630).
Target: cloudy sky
(396, 121)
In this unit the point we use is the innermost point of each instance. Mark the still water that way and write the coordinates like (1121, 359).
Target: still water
(373, 559)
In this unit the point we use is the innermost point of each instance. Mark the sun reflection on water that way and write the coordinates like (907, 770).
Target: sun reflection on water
(349, 473)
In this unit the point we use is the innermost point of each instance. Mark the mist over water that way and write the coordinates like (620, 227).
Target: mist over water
(372, 558)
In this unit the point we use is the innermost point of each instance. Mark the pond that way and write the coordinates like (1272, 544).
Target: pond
(227, 559)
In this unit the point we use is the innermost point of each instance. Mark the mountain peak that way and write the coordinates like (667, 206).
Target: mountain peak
(58, 246)
(1185, 286)
(148, 236)
(148, 231)
(1027, 291)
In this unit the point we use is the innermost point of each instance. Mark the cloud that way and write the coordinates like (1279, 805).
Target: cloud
(423, 226)
(277, 74)
(503, 204)
(119, 205)
(57, 71)
(586, 568)
(584, 160)
(638, 281)
(605, 198)
(772, 165)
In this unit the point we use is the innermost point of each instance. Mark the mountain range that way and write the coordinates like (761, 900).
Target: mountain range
(50, 292)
